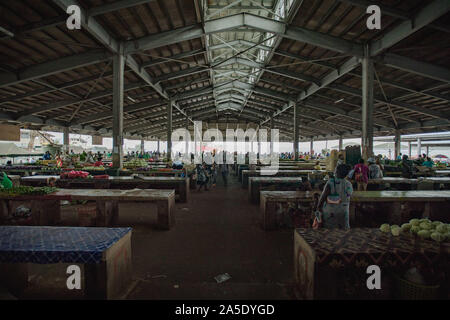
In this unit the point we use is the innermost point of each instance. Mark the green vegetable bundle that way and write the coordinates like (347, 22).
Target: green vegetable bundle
(27, 190)
(423, 228)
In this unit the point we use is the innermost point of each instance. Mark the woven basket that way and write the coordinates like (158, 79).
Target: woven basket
(407, 290)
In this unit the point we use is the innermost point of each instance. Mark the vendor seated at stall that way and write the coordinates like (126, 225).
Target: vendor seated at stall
(407, 167)
(374, 169)
(5, 182)
(332, 210)
(47, 156)
(317, 166)
(428, 163)
(90, 157)
(305, 185)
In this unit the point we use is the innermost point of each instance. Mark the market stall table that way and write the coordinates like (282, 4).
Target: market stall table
(434, 183)
(46, 209)
(270, 200)
(332, 264)
(257, 184)
(372, 208)
(105, 254)
(445, 173)
(179, 184)
(396, 183)
(246, 174)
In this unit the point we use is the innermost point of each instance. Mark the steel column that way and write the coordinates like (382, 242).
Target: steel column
(118, 82)
(398, 144)
(296, 127)
(66, 139)
(367, 105)
(169, 129)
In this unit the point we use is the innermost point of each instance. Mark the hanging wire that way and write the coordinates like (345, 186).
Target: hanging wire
(90, 90)
(385, 98)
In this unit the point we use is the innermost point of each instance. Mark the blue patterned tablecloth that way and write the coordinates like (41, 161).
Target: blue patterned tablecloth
(20, 244)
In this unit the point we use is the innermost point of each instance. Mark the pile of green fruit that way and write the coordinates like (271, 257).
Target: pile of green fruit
(135, 163)
(27, 190)
(423, 228)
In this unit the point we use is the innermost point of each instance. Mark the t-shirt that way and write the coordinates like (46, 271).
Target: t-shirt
(364, 170)
(6, 182)
(375, 172)
(428, 164)
(342, 187)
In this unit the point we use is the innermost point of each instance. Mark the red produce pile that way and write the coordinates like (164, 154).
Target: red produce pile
(74, 175)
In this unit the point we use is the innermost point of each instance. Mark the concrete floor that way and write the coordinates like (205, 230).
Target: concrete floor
(216, 232)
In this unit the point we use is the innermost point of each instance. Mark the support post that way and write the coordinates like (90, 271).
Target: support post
(367, 104)
(158, 146)
(409, 149)
(341, 143)
(186, 138)
(66, 139)
(419, 147)
(169, 129)
(428, 151)
(118, 69)
(296, 127)
(311, 146)
(142, 146)
(259, 144)
(397, 143)
(272, 126)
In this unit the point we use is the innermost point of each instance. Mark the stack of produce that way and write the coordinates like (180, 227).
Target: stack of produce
(135, 163)
(93, 168)
(74, 175)
(23, 167)
(27, 190)
(422, 228)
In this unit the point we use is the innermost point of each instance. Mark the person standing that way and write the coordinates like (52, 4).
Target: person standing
(224, 172)
(361, 175)
(374, 169)
(334, 204)
(407, 168)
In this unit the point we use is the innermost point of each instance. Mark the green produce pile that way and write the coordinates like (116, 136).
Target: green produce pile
(423, 228)
(93, 168)
(27, 190)
(135, 163)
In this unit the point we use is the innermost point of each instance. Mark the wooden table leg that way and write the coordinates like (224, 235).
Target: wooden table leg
(352, 215)
(166, 217)
(46, 212)
(109, 278)
(107, 213)
(95, 281)
(269, 214)
(183, 190)
(14, 276)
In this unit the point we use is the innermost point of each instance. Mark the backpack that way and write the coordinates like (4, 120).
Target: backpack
(359, 175)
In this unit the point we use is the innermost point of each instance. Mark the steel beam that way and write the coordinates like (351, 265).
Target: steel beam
(52, 67)
(427, 15)
(420, 68)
